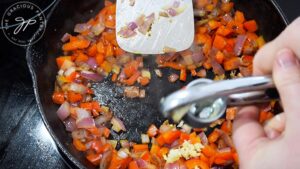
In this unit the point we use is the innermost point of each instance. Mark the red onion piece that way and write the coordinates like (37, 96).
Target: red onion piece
(70, 124)
(126, 32)
(106, 159)
(101, 120)
(198, 56)
(174, 165)
(146, 25)
(118, 125)
(92, 62)
(172, 12)
(63, 111)
(82, 113)
(65, 37)
(175, 144)
(203, 138)
(240, 41)
(85, 123)
(245, 71)
(141, 163)
(91, 76)
(81, 27)
(217, 68)
(132, 26)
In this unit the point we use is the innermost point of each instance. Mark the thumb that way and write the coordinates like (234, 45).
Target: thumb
(286, 74)
(247, 132)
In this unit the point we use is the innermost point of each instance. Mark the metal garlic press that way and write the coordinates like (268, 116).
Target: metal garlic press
(203, 101)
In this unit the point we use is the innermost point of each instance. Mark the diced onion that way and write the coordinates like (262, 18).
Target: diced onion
(78, 88)
(145, 138)
(65, 37)
(117, 124)
(92, 62)
(92, 76)
(240, 41)
(173, 78)
(64, 111)
(87, 122)
(70, 124)
(79, 28)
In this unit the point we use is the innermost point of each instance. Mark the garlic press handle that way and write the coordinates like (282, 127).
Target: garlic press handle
(239, 91)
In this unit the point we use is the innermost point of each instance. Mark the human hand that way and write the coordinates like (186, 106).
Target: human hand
(275, 145)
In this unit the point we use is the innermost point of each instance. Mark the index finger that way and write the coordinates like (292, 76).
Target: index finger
(289, 38)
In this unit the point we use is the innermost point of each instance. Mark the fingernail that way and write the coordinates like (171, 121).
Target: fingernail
(286, 58)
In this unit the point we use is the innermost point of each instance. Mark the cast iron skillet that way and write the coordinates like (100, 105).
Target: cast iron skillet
(137, 114)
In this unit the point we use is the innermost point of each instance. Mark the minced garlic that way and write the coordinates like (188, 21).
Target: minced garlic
(186, 150)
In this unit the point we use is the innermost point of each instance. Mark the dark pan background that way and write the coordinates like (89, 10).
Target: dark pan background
(24, 140)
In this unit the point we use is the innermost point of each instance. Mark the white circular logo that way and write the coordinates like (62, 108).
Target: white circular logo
(23, 23)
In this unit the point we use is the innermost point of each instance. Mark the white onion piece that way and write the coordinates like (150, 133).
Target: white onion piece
(92, 62)
(67, 64)
(118, 125)
(240, 41)
(165, 128)
(145, 138)
(122, 154)
(98, 28)
(85, 123)
(124, 143)
(70, 124)
(78, 88)
(69, 71)
(82, 113)
(63, 111)
(91, 76)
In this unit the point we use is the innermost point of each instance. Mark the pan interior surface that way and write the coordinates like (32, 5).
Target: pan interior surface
(137, 114)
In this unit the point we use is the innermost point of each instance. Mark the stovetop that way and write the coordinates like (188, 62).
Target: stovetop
(24, 140)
